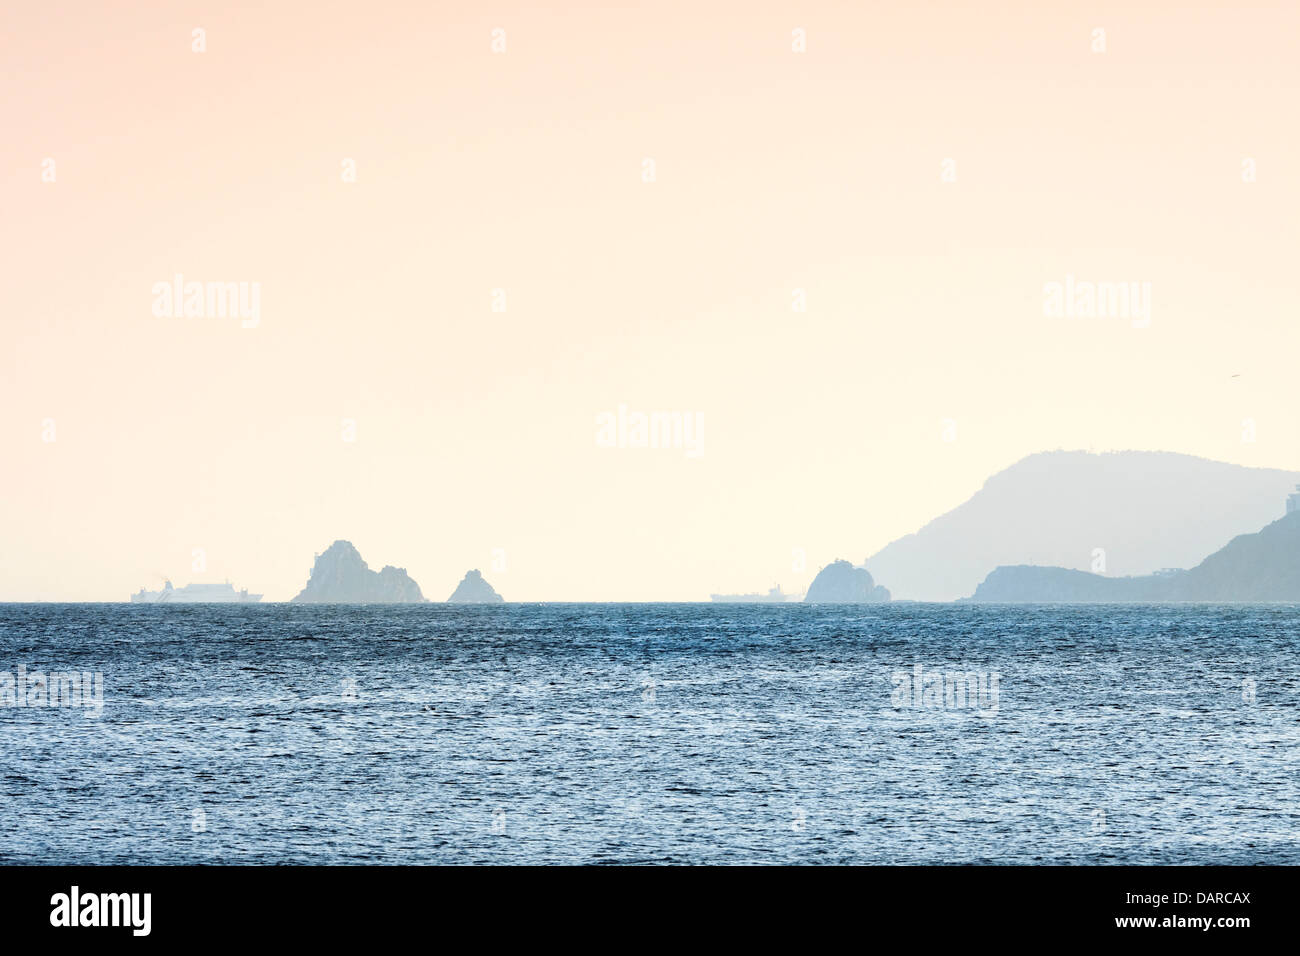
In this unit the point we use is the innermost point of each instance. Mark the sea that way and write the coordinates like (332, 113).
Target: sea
(649, 734)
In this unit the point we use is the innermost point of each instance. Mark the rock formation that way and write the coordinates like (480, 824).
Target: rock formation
(473, 589)
(841, 583)
(340, 576)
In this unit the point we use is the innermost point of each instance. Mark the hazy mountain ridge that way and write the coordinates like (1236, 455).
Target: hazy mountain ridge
(1264, 566)
(1145, 510)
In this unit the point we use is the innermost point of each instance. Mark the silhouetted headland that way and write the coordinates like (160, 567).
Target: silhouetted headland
(1264, 566)
(1147, 510)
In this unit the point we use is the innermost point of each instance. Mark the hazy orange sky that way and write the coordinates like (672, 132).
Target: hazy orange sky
(774, 171)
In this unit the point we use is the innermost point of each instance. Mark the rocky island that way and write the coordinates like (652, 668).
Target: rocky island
(474, 589)
(340, 576)
(841, 583)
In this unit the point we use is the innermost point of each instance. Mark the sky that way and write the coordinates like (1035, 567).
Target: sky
(820, 234)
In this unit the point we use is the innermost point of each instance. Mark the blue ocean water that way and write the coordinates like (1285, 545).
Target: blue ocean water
(653, 733)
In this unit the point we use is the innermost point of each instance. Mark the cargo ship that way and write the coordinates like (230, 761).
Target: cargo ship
(773, 596)
(196, 594)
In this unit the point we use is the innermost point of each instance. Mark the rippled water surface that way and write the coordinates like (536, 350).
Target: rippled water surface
(653, 733)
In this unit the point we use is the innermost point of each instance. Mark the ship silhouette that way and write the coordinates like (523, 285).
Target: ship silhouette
(774, 595)
(196, 594)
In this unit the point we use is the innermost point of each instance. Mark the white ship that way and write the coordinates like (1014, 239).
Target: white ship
(196, 594)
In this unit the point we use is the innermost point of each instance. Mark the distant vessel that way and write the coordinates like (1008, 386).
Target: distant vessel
(773, 596)
(196, 594)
